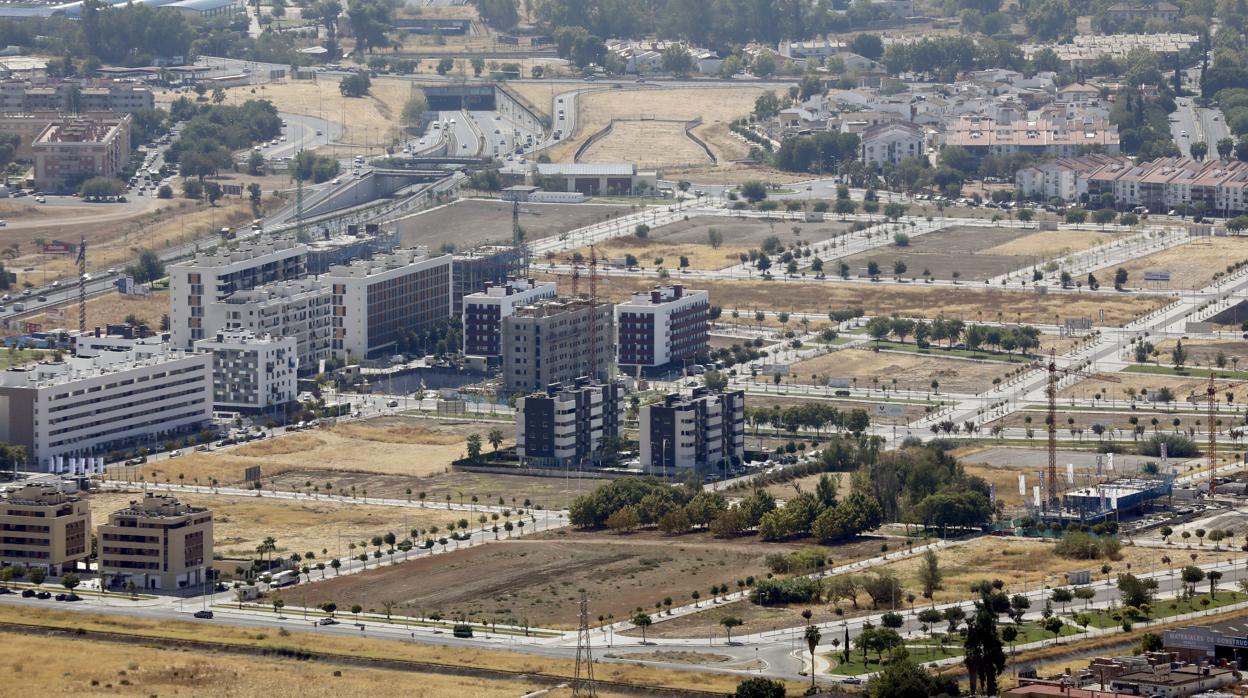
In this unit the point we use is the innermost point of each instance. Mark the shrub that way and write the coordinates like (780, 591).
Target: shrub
(773, 592)
(1176, 446)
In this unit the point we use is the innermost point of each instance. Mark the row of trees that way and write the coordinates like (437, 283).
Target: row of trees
(816, 417)
(1023, 338)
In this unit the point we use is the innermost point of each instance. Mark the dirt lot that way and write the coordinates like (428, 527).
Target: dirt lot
(467, 224)
(912, 371)
(1191, 266)
(747, 232)
(648, 250)
(1203, 352)
(650, 144)
(978, 253)
(1002, 466)
(394, 445)
(537, 578)
(714, 105)
(966, 301)
(108, 309)
(1181, 386)
(1049, 243)
(548, 492)
(242, 523)
(1085, 420)
(77, 667)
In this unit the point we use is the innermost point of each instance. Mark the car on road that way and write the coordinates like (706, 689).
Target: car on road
(42, 299)
(28, 593)
(3, 224)
(175, 453)
(45, 595)
(851, 681)
(207, 615)
(336, 180)
(327, 621)
(1183, 134)
(41, 200)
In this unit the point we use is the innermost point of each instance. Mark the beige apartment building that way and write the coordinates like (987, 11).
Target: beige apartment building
(70, 150)
(40, 526)
(156, 543)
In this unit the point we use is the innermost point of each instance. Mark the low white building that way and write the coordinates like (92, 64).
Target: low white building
(1062, 178)
(251, 373)
(103, 401)
(892, 143)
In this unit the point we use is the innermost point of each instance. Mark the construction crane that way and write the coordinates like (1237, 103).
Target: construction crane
(1051, 393)
(82, 285)
(517, 236)
(593, 312)
(1211, 393)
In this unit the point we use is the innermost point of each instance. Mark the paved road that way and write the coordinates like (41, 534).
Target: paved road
(1190, 124)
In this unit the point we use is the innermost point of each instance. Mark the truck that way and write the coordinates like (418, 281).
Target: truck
(283, 579)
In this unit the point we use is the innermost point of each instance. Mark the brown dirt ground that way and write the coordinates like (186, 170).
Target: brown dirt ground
(467, 224)
(966, 301)
(747, 232)
(1181, 386)
(1051, 243)
(110, 308)
(650, 144)
(241, 523)
(1191, 265)
(912, 371)
(538, 577)
(648, 250)
(1202, 352)
(598, 108)
(394, 445)
(77, 667)
(1110, 420)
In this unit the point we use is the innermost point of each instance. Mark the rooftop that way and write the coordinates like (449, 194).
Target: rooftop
(75, 368)
(155, 506)
(364, 268)
(39, 495)
(245, 254)
(622, 169)
(81, 130)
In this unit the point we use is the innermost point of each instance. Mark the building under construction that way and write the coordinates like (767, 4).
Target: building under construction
(1099, 501)
(558, 341)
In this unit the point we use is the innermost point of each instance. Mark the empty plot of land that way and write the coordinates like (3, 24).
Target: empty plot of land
(660, 253)
(746, 232)
(242, 523)
(394, 445)
(973, 253)
(110, 308)
(537, 578)
(919, 300)
(467, 224)
(912, 411)
(712, 105)
(911, 371)
(1002, 466)
(1145, 384)
(1204, 352)
(1191, 265)
(514, 490)
(1049, 243)
(1085, 421)
(649, 144)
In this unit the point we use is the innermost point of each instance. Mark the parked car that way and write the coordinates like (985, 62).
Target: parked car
(28, 593)
(327, 621)
(43, 595)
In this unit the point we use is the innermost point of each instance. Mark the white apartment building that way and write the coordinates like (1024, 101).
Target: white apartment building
(1061, 178)
(375, 301)
(301, 309)
(662, 327)
(93, 404)
(484, 312)
(213, 276)
(250, 372)
(891, 143)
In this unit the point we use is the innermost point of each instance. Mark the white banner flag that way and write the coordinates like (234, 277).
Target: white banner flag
(1109, 462)
(1022, 485)
(1035, 495)
(1070, 473)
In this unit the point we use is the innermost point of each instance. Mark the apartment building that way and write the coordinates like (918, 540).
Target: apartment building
(1129, 12)
(702, 430)
(566, 424)
(663, 328)
(983, 135)
(485, 310)
(376, 301)
(69, 150)
(41, 526)
(557, 341)
(1060, 178)
(156, 543)
(251, 373)
(891, 143)
(301, 309)
(18, 96)
(213, 276)
(1159, 185)
(110, 400)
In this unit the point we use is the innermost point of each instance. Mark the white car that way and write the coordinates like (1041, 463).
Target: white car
(336, 180)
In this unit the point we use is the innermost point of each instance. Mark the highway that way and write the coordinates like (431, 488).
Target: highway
(1190, 124)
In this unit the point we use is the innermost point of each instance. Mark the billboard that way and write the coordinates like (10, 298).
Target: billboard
(885, 410)
(54, 315)
(838, 382)
(59, 247)
(1156, 276)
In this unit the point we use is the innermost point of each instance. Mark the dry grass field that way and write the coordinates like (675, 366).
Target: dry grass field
(1191, 265)
(467, 224)
(1140, 382)
(968, 302)
(1050, 243)
(911, 371)
(649, 144)
(537, 578)
(357, 647)
(391, 445)
(1204, 352)
(597, 108)
(111, 308)
(242, 523)
(648, 250)
(372, 119)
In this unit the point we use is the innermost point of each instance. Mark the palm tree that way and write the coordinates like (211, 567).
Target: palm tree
(495, 437)
(812, 640)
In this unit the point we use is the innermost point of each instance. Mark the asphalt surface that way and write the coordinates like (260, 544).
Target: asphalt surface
(1190, 124)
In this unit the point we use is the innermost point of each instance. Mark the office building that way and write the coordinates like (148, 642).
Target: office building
(665, 327)
(41, 526)
(566, 424)
(342, 249)
(557, 341)
(156, 543)
(71, 150)
(375, 301)
(110, 401)
(485, 311)
(704, 430)
(251, 373)
(213, 276)
(301, 309)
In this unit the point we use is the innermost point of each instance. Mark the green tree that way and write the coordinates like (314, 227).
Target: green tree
(984, 653)
(759, 687)
(930, 575)
(812, 641)
(355, 85)
(474, 447)
(730, 622)
(642, 621)
(148, 268)
(414, 109)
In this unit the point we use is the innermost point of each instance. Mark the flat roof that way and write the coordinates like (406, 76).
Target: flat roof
(623, 169)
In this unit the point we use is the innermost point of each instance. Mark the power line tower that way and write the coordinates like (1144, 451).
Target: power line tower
(82, 285)
(1211, 394)
(583, 683)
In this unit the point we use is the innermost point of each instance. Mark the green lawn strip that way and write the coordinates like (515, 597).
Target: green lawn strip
(962, 353)
(16, 357)
(919, 652)
(1162, 608)
(342, 617)
(1187, 372)
(1124, 410)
